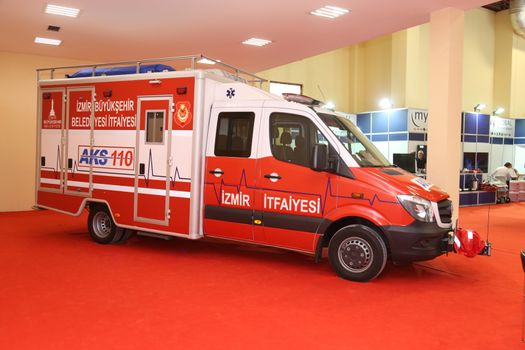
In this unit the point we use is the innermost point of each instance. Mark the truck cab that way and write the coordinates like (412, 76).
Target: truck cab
(291, 174)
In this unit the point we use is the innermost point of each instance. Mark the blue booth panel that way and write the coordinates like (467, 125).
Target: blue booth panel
(496, 140)
(483, 139)
(487, 198)
(469, 138)
(398, 137)
(398, 120)
(470, 123)
(363, 122)
(483, 124)
(519, 128)
(383, 137)
(379, 122)
(416, 136)
(468, 198)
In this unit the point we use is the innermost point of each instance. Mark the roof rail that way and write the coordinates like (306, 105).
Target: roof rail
(183, 63)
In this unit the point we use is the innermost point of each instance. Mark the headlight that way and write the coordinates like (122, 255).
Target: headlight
(419, 208)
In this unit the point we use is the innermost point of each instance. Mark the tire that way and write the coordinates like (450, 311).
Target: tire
(368, 253)
(126, 235)
(101, 226)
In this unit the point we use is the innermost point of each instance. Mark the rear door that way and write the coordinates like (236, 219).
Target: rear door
(78, 155)
(292, 198)
(51, 147)
(229, 191)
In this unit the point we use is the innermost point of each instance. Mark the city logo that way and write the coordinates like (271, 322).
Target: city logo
(51, 118)
(52, 115)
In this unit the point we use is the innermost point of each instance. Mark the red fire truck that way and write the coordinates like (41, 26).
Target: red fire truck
(203, 153)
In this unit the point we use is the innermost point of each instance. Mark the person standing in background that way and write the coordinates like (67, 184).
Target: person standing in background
(421, 162)
(513, 173)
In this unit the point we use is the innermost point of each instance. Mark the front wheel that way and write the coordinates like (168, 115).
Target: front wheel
(357, 253)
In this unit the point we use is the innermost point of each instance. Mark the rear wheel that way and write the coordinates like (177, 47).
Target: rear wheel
(357, 253)
(101, 226)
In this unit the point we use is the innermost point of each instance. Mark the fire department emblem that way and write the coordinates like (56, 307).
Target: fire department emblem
(183, 113)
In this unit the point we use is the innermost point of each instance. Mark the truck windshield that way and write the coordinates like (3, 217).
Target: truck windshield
(357, 144)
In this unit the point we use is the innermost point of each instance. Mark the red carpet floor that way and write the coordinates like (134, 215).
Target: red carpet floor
(59, 290)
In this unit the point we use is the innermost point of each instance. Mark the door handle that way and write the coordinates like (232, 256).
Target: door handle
(273, 176)
(217, 172)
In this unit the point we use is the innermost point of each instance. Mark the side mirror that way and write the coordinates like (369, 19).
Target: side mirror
(319, 161)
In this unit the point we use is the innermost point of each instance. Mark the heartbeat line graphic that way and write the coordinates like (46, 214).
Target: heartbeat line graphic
(328, 192)
(151, 173)
(147, 176)
(57, 169)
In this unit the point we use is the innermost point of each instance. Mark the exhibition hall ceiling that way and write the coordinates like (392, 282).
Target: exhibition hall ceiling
(122, 29)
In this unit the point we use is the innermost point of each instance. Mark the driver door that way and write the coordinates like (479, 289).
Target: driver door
(293, 198)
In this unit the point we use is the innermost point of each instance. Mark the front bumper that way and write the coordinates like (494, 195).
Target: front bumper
(417, 241)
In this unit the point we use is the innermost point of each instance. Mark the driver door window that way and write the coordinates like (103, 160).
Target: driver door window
(292, 138)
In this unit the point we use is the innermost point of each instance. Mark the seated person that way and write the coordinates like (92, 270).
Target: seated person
(421, 162)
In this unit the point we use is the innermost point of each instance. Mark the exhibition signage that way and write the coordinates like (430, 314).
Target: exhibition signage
(417, 120)
(501, 127)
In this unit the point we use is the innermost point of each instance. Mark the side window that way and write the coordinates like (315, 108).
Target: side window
(292, 138)
(234, 134)
(154, 126)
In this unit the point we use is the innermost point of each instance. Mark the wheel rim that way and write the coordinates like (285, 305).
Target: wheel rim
(102, 224)
(355, 254)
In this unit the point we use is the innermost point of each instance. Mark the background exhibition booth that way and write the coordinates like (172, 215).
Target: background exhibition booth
(487, 142)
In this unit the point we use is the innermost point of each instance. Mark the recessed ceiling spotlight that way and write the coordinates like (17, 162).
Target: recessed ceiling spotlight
(47, 41)
(256, 42)
(329, 11)
(62, 10)
(53, 28)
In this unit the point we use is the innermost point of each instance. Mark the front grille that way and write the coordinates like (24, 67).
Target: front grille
(445, 211)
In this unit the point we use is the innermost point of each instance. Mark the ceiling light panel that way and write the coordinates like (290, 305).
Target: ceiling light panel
(47, 41)
(329, 11)
(256, 42)
(62, 10)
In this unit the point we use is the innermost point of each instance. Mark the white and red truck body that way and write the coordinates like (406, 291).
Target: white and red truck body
(148, 146)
